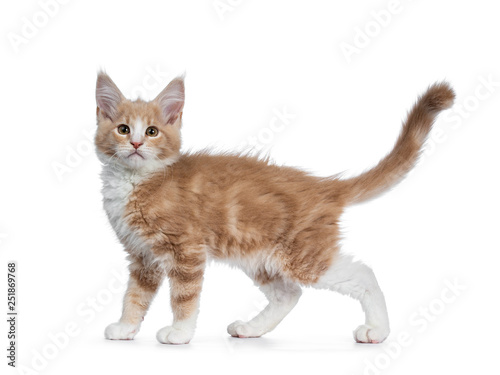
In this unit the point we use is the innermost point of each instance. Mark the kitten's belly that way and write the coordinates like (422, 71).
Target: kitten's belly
(259, 262)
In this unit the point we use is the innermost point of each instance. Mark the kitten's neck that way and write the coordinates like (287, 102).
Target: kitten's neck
(118, 172)
(112, 172)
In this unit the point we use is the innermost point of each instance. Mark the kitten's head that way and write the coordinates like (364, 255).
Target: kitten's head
(136, 134)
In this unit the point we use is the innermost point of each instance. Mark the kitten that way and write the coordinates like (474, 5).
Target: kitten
(173, 212)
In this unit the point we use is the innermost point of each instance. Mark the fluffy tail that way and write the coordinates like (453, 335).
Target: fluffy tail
(394, 167)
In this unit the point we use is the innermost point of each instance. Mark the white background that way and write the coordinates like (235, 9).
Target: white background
(242, 65)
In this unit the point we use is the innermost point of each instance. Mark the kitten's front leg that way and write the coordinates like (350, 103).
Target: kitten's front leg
(142, 287)
(186, 279)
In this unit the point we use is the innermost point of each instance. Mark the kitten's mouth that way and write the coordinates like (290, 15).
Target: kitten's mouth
(136, 153)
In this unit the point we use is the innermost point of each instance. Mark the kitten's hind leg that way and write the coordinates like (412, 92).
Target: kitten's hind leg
(282, 296)
(358, 281)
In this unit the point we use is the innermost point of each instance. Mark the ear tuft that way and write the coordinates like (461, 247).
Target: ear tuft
(108, 96)
(171, 100)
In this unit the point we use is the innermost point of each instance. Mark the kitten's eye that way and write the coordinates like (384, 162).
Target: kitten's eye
(123, 129)
(152, 131)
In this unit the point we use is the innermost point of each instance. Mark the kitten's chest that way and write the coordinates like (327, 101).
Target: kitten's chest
(118, 195)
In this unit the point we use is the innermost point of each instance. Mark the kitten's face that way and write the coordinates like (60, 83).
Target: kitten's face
(138, 135)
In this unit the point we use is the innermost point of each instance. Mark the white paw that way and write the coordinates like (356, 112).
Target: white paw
(243, 330)
(370, 335)
(172, 335)
(121, 331)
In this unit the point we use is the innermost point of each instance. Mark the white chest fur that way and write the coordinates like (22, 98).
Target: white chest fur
(118, 186)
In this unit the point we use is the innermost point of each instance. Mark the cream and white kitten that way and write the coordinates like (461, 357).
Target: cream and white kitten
(174, 211)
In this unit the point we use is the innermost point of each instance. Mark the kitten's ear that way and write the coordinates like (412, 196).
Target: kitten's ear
(171, 100)
(108, 96)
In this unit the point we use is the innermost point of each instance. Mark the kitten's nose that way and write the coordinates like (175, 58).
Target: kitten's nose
(136, 144)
